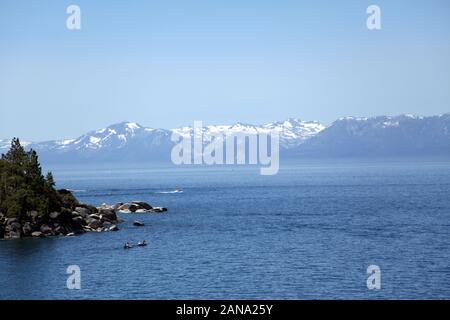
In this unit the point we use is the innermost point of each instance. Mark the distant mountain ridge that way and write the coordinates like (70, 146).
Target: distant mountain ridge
(402, 135)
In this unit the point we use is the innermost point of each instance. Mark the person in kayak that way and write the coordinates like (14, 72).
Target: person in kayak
(142, 243)
(127, 245)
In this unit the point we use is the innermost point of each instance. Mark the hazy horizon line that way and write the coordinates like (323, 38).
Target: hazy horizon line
(415, 115)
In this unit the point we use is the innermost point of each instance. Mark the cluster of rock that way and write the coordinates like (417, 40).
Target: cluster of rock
(82, 219)
(67, 222)
(134, 207)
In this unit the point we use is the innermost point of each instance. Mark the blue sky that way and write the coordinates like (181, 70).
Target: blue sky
(168, 63)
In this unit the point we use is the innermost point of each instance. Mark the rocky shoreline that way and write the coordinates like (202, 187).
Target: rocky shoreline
(133, 207)
(31, 206)
(66, 222)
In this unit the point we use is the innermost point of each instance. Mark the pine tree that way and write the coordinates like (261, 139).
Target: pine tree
(23, 187)
(50, 180)
(16, 154)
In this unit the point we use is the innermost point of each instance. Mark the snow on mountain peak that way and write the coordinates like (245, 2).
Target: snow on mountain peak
(292, 132)
(133, 125)
(388, 134)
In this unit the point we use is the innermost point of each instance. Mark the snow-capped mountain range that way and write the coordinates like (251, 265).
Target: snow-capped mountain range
(403, 135)
(132, 141)
(350, 136)
(292, 132)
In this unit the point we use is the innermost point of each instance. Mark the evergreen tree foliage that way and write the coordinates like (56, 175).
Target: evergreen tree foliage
(23, 187)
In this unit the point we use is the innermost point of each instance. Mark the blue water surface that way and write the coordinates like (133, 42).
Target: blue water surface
(309, 232)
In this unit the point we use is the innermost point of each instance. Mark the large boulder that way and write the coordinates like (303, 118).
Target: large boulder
(78, 222)
(106, 224)
(138, 223)
(142, 205)
(15, 225)
(65, 214)
(59, 230)
(76, 214)
(132, 207)
(9, 221)
(124, 207)
(45, 229)
(95, 224)
(27, 229)
(92, 209)
(107, 214)
(116, 206)
(37, 234)
(54, 215)
(84, 212)
(13, 229)
(78, 219)
(105, 206)
(13, 234)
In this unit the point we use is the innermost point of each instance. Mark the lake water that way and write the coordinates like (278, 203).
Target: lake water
(309, 232)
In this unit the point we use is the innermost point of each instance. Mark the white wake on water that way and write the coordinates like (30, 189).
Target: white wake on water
(173, 191)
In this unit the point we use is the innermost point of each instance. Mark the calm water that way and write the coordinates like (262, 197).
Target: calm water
(309, 232)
